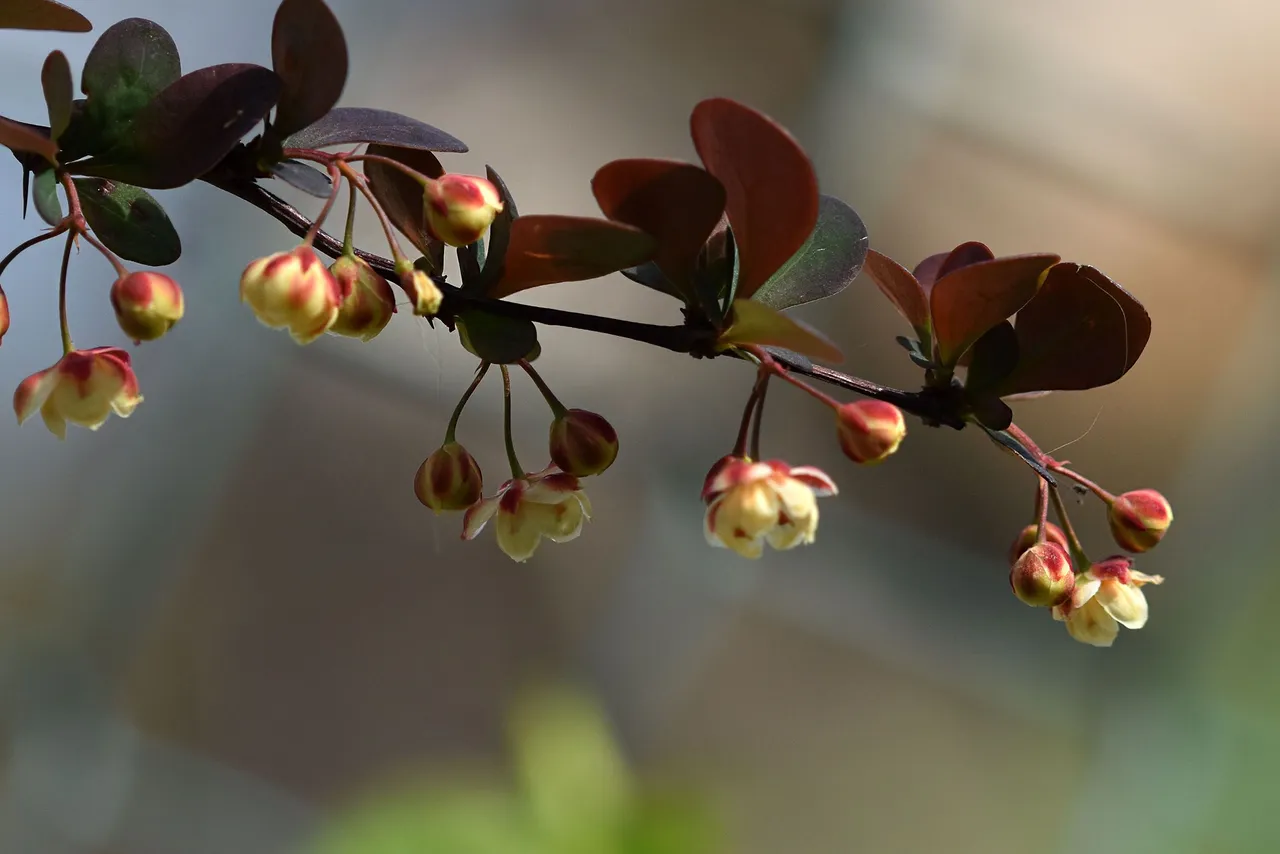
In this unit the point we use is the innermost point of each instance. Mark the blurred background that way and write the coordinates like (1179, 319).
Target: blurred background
(226, 625)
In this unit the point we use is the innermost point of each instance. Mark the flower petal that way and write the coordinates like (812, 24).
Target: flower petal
(1093, 625)
(551, 489)
(32, 393)
(709, 523)
(477, 516)
(816, 479)
(54, 421)
(1124, 602)
(519, 533)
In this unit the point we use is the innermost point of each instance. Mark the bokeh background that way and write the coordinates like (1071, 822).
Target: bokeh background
(226, 624)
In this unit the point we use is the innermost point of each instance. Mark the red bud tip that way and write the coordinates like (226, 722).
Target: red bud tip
(1139, 519)
(583, 443)
(1042, 576)
(449, 479)
(460, 207)
(1027, 539)
(870, 430)
(4, 314)
(147, 304)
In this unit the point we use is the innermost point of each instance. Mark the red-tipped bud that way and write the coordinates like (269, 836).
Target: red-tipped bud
(1139, 519)
(1027, 539)
(147, 304)
(583, 443)
(370, 301)
(1042, 576)
(449, 479)
(460, 207)
(870, 430)
(293, 290)
(84, 387)
(4, 314)
(423, 293)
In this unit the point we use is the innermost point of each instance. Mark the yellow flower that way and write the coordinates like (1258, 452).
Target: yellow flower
(1105, 598)
(84, 387)
(547, 504)
(751, 503)
(293, 290)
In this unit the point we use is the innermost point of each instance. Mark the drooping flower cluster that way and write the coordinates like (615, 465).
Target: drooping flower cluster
(750, 503)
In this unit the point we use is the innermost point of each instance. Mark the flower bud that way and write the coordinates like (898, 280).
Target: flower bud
(449, 479)
(147, 304)
(423, 292)
(370, 301)
(293, 290)
(460, 207)
(583, 443)
(4, 314)
(1139, 519)
(1027, 539)
(870, 430)
(1042, 576)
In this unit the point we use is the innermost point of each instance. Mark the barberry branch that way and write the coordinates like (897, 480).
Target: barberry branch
(697, 340)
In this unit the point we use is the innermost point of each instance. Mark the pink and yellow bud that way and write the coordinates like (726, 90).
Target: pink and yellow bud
(4, 314)
(751, 503)
(369, 303)
(423, 292)
(870, 430)
(147, 304)
(1027, 539)
(460, 207)
(549, 504)
(583, 443)
(1139, 519)
(294, 291)
(84, 388)
(449, 479)
(1105, 598)
(1042, 575)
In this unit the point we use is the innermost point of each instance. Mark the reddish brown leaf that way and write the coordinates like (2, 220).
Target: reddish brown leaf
(753, 322)
(400, 195)
(22, 138)
(971, 300)
(962, 256)
(678, 203)
(770, 187)
(1081, 331)
(309, 53)
(41, 15)
(549, 248)
(900, 287)
(926, 272)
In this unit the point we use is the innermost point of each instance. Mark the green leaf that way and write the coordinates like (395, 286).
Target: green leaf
(130, 64)
(304, 177)
(400, 195)
(679, 204)
(1005, 440)
(41, 15)
(470, 259)
(916, 351)
(190, 126)
(55, 79)
(771, 190)
(650, 275)
(965, 303)
(20, 137)
(129, 221)
(1081, 331)
(497, 339)
(309, 53)
(825, 265)
(350, 125)
(48, 205)
(499, 235)
(549, 248)
(752, 322)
